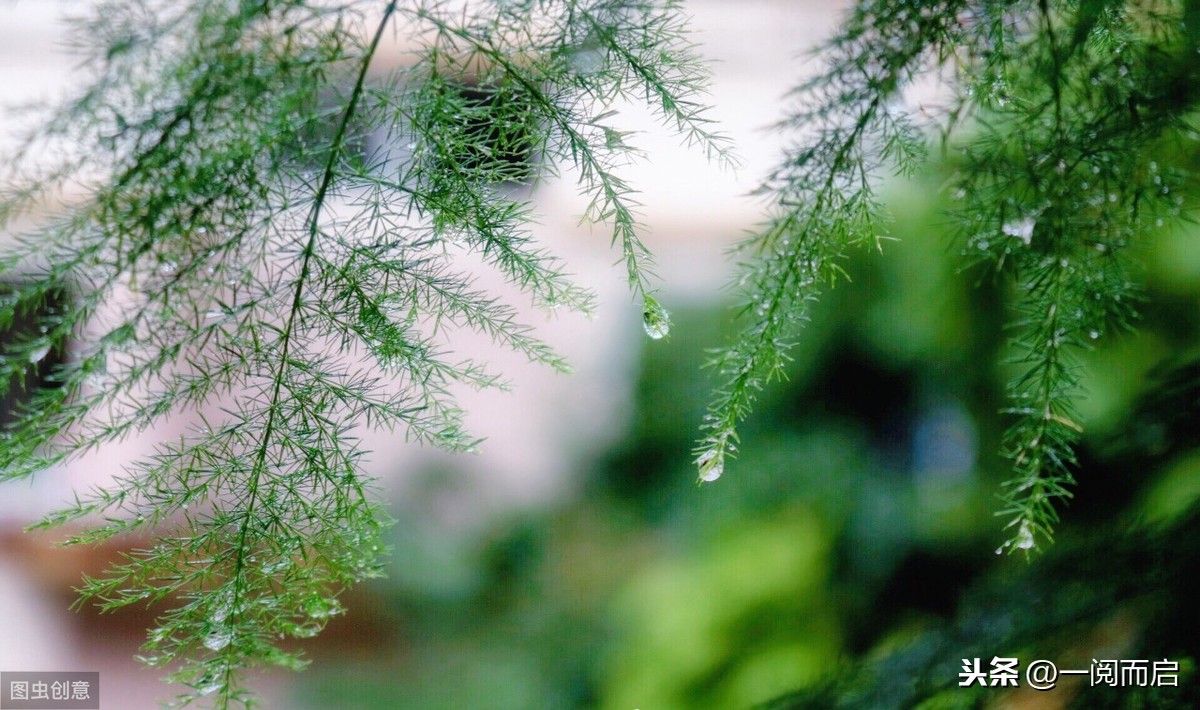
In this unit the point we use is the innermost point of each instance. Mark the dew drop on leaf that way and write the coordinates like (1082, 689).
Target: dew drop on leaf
(1024, 540)
(1021, 229)
(655, 319)
(712, 465)
(217, 640)
(306, 631)
(318, 609)
(36, 356)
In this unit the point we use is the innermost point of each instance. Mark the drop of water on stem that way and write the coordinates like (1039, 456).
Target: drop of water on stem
(218, 640)
(36, 356)
(712, 465)
(655, 319)
(1024, 540)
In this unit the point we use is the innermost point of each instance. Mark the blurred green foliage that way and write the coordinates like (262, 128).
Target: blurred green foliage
(848, 560)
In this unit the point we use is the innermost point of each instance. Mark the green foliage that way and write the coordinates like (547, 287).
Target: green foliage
(238, 241)
(1113, 590)
(267, 233)
(1052, 112)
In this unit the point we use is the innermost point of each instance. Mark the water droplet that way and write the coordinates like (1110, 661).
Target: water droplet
(36, 356)
(319, 609)
(711, 464)
(1024, 539)
(218, 640)
(655, 318)
(306, 631)
(1021, 229)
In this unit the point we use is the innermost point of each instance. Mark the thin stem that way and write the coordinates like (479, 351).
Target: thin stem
(289, 329)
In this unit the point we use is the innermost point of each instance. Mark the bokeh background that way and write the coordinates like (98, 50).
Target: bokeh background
(575, 563)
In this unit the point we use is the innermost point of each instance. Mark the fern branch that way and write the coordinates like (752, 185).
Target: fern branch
(823, 197)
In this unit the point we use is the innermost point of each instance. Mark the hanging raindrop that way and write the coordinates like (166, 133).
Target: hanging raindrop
(36, 356)
(1021, 228)
(655, 318)
(1024, 540)
(711, 464)
(218, 640)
